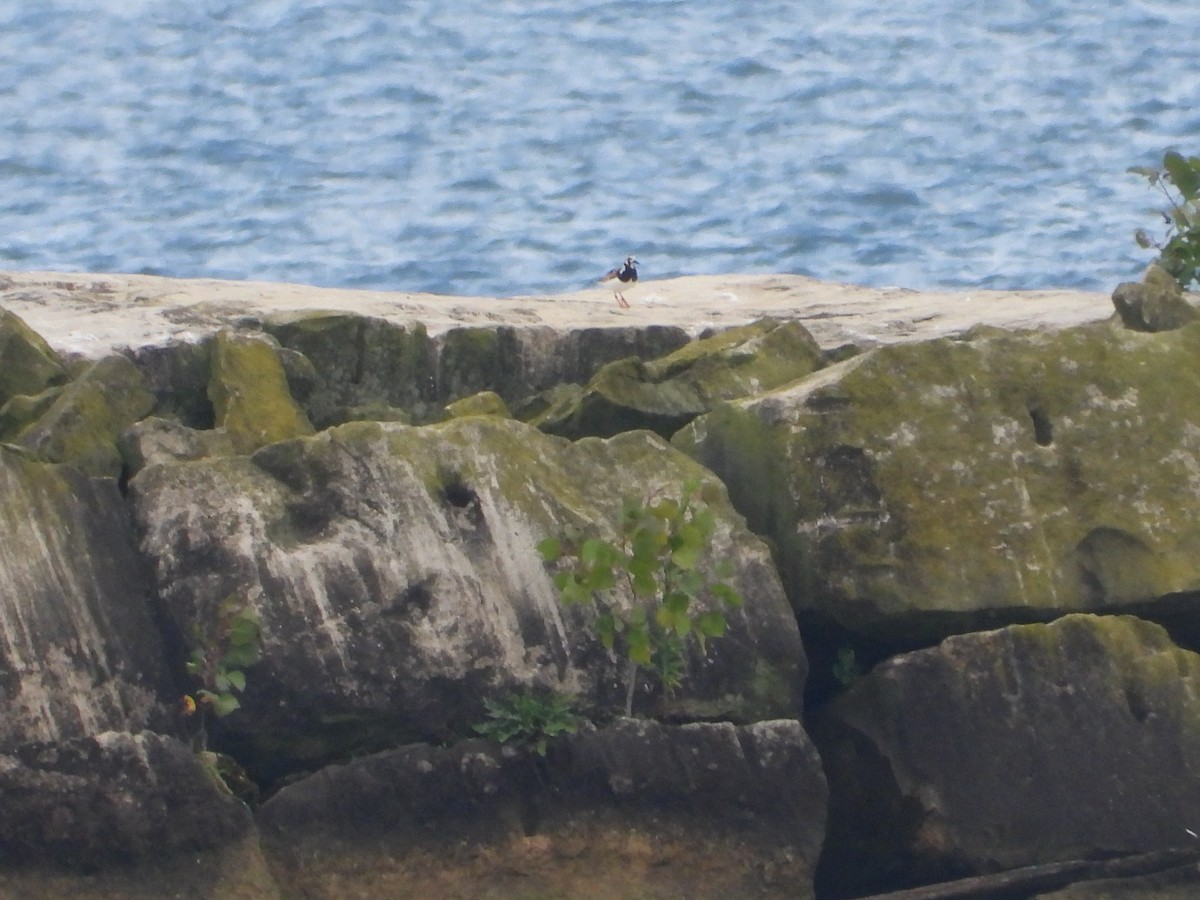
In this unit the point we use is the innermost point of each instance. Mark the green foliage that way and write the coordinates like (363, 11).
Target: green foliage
(528, 719)
(1179, 181)
(658, 556)
(223, 651)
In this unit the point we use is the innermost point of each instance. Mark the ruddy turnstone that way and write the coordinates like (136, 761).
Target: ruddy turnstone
(626, 274)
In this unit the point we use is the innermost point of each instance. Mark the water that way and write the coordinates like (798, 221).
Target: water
(499, 148)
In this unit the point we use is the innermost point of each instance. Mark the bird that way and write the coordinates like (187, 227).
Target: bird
(626, 274)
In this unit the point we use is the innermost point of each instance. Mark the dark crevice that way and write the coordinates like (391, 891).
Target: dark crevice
(1043, 431)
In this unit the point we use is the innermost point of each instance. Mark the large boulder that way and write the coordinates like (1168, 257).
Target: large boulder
(109, 800)
(1026, 745)
(395, 572)
(919, 490)
(359, 361)
(83, 423)
(80, 650)
(637, 809)
(665, 394)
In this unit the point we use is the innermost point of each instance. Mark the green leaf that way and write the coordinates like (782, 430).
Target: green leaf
(224, 704)
(550, 549)
(592, 551)
(677, 602)
(689, 547)
(600, 578)
(242, 656)
(236, 679)
(665, 509)
(606, 629)
(731, 597)
(711, 624)
(1184, 175)
(639, 648)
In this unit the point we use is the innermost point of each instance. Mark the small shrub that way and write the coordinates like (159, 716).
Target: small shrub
(659, 555)
(223, 651)
(1179, 180)
(528, 719)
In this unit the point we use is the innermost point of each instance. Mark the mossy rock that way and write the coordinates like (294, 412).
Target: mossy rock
(156, 440)
(83, 423)
(28, 365)
(23, 410)
(665, 394)
(397, 576)
(1026, 745)
(1155, 303)
(474, 360)
(485, 403)
(359, 362)
(922, 489)
(249, 392)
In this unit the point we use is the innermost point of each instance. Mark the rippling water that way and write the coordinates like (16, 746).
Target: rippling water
(500, 148)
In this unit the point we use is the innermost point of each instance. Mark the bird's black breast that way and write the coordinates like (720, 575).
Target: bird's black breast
(629, 273)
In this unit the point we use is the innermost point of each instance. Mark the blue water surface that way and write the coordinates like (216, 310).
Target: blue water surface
(499, 148)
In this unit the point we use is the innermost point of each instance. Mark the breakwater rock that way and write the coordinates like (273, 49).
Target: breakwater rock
(965, 532)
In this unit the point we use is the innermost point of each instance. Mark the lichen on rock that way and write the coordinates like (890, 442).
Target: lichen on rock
(28, 365)
(665, 394)
(398, 582)
(921, 489)
(84, 422)
(249, 392)
(1025, 745)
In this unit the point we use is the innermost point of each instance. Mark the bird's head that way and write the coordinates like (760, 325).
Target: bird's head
(630, 261)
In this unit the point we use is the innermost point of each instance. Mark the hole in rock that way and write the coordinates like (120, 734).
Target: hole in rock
(1043, 431)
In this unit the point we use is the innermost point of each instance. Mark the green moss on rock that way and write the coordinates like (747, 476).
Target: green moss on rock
(1020, 746)
(665, 394)
(1006, 475)
(361, 362)
(82, 425)
(249, 392)
(23, 410)
(28, 365)
(485, 403)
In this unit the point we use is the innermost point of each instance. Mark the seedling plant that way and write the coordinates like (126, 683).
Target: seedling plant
(660, 558)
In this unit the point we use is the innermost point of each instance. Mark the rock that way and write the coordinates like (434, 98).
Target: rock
(665, 394)
(109, 800)
(1026, 745)
(81, 426)
(360, 361)
(485, 403)
(249, 392)
(1154, 304)
(177, 375)
(154, 440)
(27, 363)
(22, 410)
(396, 574)
(920, 490)
(81, 652)
(719, 811)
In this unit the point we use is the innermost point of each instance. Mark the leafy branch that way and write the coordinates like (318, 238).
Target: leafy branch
(1179, 181)
(657, 557)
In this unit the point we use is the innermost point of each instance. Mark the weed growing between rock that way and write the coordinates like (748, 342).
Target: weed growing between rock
(223, 651)
(528, 719)
(658, 556)
(1179, 180)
